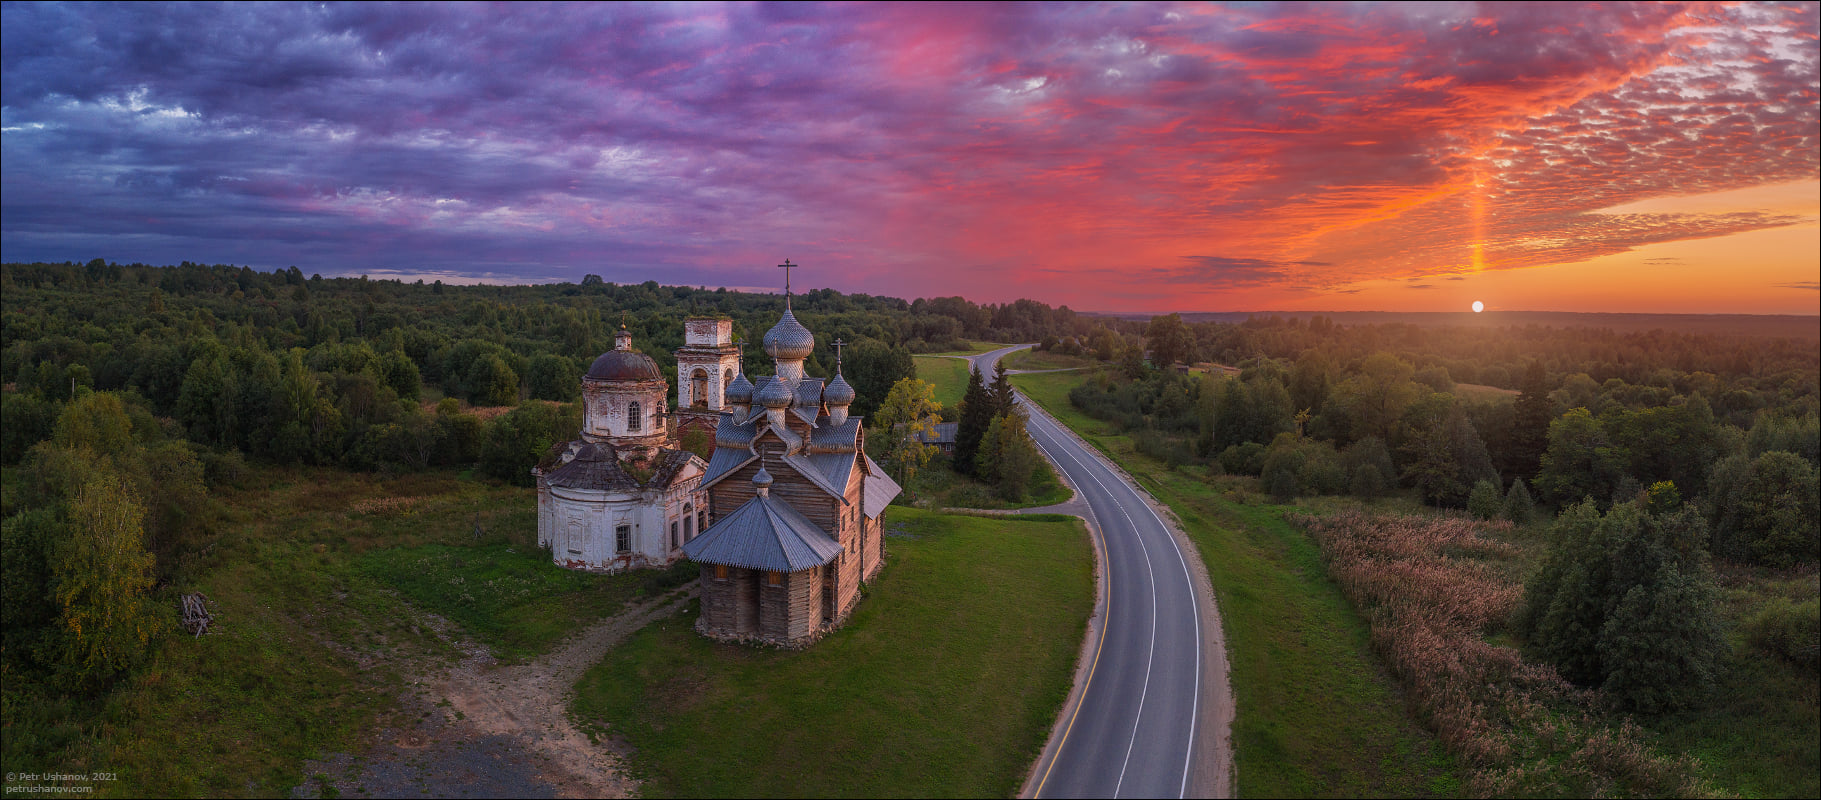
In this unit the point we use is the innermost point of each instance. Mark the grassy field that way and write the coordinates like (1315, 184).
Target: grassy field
(312, 577)
(944, 683)
(1300, 655)
(948, 376)
(1031, 359)
(974, 349)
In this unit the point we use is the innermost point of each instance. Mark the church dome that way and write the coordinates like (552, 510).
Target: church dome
(624, 365)
(775, 394)
(838, 392)
(740, 391)
(789, 340)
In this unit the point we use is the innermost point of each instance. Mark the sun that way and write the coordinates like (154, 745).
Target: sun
(1478, 306)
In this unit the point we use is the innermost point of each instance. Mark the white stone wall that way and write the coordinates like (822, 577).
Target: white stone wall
(707, 332)
(607, 407)
(719, 371)
(582, 525)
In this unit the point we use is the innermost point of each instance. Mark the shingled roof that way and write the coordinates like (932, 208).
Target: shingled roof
(764, 534)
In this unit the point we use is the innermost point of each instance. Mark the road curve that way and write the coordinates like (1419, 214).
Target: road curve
(1139, 722)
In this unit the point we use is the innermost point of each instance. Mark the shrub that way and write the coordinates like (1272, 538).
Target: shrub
(1484, 501)
(1243, 459)
(1788, 630)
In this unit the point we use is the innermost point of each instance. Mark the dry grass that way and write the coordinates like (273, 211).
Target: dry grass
(1518, 726)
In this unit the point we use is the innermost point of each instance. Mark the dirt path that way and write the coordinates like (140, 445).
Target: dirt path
(484, 730)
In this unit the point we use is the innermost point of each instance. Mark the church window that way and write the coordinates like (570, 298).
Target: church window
(622, 538)
(698, 390)
(701, 519)
(774, 578)
(632, 416)
(720, 572)
(674, 542)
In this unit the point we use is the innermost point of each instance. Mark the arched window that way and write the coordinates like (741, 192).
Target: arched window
(726, 378)
(689, 519)
(698, 388)
(632, 417)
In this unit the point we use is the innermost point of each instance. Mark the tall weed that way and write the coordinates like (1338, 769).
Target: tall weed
(1520, 727)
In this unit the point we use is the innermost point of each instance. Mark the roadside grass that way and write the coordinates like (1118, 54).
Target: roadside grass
(948, 376)
(943, 684)
(1317, 714)
(939, 486)
(1756, 737)
(312, 631)
(1032, 359)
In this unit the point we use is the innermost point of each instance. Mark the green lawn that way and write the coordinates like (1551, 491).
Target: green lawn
(1317, 716)
(947, 375)
(943, 684)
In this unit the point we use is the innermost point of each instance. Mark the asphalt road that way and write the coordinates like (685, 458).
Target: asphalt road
(1135, 728)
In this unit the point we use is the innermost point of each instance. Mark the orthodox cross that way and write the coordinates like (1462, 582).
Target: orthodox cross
(838, 343)
(787, 267)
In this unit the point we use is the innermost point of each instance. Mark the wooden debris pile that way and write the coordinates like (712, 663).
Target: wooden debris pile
(196, 617)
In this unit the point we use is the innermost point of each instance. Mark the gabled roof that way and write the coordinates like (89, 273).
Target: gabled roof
(724, 462)
(831, 437)
(764, 534)
(813, 472)
(835, 468)
(878, 490)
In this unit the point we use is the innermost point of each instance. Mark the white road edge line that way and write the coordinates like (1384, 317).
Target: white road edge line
(1188, 580)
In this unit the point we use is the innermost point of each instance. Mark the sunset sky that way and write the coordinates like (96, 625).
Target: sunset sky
(1550, 156)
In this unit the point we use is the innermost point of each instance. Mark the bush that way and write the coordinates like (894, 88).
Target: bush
(1243, 459)
(1788, 630)
(1484, 501)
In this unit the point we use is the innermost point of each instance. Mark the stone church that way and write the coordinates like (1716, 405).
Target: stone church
(795, 506)
(622, 496)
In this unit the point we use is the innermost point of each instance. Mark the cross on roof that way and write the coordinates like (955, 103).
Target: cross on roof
(838, 343)
(787, 267)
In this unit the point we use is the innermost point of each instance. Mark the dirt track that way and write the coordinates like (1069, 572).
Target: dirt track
(485, 730)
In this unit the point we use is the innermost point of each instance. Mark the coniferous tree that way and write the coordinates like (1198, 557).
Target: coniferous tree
(1530, 427)
(976, 415)
(1001, 389)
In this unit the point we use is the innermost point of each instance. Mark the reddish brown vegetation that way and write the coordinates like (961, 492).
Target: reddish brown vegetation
(1518, 727)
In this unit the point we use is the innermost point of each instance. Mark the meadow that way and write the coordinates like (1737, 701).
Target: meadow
(944, 683)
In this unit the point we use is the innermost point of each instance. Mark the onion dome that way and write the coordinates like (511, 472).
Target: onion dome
(775, 394)
(838, 393)
(762, 480)
(789, 340)
(624, 365)
(739, 392)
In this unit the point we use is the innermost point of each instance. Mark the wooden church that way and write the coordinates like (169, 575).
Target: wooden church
(796, 507)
